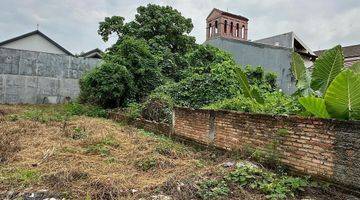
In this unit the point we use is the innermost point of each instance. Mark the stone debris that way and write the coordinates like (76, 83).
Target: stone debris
(160, 197)
(228, 164)
(245, 163)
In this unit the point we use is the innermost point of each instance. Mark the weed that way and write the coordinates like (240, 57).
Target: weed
(79, 134)
(110, 140)
(282, 132)
(87, 110)
(213, 189)
(199, 163)
(146, 164)
(99, 149)
(273, 185)
(103, 146)
(21, 176)
(70, 150)
(13, 118)
(111, 160)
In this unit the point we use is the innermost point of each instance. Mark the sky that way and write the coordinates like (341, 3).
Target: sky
(73, 24)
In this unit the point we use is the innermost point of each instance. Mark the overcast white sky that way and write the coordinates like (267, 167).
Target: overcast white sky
(73, 24)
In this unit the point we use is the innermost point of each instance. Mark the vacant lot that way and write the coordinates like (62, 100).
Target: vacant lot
(54, 151)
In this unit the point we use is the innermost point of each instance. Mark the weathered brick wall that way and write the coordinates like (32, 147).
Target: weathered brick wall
(319, 147)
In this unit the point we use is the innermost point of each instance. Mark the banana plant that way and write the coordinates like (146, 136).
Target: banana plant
(341, 87)
(355, 67)
(326, 68)
(301, 75)
(245, 87)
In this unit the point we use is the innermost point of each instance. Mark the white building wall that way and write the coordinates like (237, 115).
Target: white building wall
(34, 43)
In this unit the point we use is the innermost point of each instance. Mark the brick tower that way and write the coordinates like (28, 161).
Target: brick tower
(224, 24)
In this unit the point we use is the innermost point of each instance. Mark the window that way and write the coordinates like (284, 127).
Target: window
(225, 26)
(243, 32)
(210, 31)
(237, 34)
(231, 28)
(216, 27)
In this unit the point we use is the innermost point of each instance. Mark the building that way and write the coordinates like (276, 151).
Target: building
(95, 53)
(225, 24)
(35, 41)
(351, 54)
(229, 32)
(292, 41)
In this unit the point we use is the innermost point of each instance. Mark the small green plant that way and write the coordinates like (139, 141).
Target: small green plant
(13, 118)
(103, 146)
(36, 115)
(282, 132)
(273, 185)
(99, 149)
(111, 160)
(110, 140)
(79, 133)
(146, 164)
(213, 189)
(22, 176)
(70, 150)
(133, 111)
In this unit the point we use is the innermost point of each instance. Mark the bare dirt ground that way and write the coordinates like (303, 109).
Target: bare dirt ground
(42, 151)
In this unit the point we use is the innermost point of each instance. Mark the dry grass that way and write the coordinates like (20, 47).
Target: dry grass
(92, 156)
(80, 157)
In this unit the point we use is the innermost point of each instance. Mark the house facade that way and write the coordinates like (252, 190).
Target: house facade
(35, 41)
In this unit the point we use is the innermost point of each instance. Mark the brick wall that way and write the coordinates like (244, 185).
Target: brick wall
(319, 147)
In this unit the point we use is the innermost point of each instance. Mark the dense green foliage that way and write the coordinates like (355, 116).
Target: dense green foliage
(149, 51)
(155, 65)
(274, 103)
(214, 77)
(109, 85)
(338, 89)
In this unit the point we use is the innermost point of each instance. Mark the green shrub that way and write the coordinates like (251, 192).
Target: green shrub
(213, 189)
(108, 85)
(133, 110)
(158, 107)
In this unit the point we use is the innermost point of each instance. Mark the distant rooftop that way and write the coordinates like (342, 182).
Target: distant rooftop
(349, 51)
(228, 14)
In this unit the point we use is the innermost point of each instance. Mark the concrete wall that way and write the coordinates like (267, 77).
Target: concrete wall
(34, 43)
(273, 59)
(36, 77)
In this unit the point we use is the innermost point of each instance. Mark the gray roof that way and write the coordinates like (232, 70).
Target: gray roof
(349, 51)
(289, 40)
(34, 33)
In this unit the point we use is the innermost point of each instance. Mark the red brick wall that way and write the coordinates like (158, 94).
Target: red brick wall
(319, 147)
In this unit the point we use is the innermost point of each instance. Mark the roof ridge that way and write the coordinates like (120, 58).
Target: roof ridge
(33, 33)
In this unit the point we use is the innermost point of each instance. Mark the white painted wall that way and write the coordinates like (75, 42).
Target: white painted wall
(34, 43)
